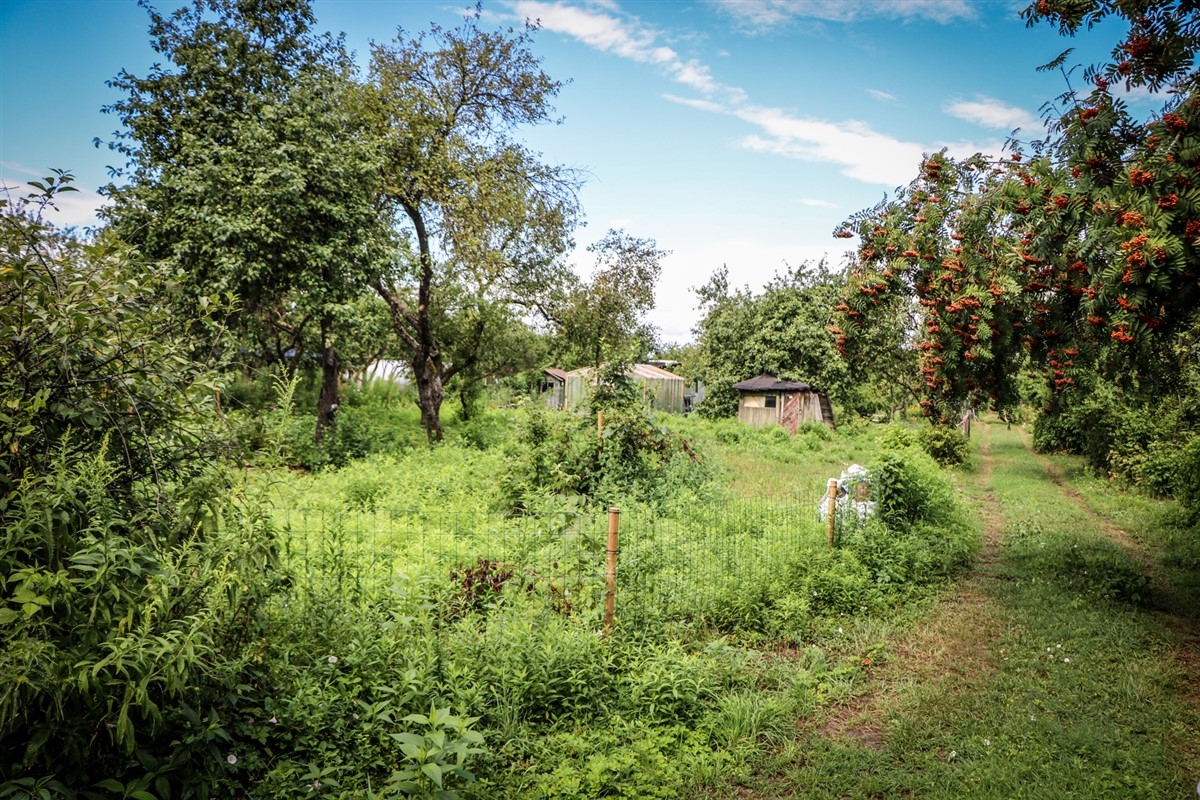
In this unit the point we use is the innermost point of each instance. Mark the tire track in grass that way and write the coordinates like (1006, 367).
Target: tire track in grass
(1100, 715)
(1184, 653)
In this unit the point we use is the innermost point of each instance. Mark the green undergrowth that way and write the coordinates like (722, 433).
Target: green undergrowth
(415, 584)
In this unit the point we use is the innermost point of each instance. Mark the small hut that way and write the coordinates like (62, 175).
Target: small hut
(766, 400)
(661, 390)
(553, 387)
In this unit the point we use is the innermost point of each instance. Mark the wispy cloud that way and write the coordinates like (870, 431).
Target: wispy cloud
(814, 203)
(761, 15)
(881, 95)
(70, 209)
(991, 113)
(600, 25)
(862, 153)
(859, 151)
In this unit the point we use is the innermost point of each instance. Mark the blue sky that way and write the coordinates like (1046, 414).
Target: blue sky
(733, 132)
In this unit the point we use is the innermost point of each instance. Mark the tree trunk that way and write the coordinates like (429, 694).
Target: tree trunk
(430, 391)
(327, 402)
(465, 391)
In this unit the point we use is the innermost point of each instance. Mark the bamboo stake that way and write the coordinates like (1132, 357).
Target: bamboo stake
(600, 424)
(832, 513)
(610, 598)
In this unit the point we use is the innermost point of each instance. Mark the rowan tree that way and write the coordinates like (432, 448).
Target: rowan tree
(1078, 250)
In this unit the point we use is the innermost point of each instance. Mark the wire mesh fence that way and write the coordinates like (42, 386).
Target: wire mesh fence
(670, 564)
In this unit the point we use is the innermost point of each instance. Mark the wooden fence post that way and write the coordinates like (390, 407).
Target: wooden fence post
(610, 598)
(600, 425)
(831, 514)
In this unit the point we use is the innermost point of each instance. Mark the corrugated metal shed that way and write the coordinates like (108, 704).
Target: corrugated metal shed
(661, 390)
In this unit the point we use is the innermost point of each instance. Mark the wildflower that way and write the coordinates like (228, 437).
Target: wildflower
(987, 742)
(272, 720)
(839, 629)
(953, 753)
(231, 758)
(1066, 661)
(333, 659)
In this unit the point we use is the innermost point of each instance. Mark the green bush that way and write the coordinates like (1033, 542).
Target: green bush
(946, 445)
(135, 569)
(1188, 475)
(908, 488)
(633, 458)
(897, 437)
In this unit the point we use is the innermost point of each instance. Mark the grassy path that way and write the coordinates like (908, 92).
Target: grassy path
(1061, 666)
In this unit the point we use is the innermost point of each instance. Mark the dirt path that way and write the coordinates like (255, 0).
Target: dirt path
(950, 650)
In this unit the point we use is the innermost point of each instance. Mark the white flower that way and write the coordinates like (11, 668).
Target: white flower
(272, 720)
(839, 629)
(953, 753)
(987, 742)
(231, 758)
(332, 659)
(1058, 647)
(1066, 661)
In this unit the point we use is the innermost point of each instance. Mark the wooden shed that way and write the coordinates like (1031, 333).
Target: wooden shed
(661, 390)
(553, 387)
(766, 400)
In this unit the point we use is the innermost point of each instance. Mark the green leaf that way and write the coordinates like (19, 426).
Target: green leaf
(434, 772)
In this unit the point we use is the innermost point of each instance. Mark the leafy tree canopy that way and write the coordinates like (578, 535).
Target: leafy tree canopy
(244, 174)
(781, 331)
(482, 221)
(603, 318)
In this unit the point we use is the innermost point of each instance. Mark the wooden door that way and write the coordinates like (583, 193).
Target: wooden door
(790, 418)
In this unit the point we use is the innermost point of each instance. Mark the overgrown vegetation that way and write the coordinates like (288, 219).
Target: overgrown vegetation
(199, 597)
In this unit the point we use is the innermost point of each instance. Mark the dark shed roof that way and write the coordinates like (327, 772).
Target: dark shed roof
(557, 373)
(769, 383)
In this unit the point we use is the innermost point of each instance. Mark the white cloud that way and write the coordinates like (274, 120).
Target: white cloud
(862, 153)
(750, 260)
(600, 27)
(991, 113)
(761, 15)
(71, 209)
(696, 103)
(814, 203)
(881, 95)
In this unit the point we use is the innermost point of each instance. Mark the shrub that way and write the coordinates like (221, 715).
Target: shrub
(634, 458)
(1188, 475)
(135, 571)
(946, 445)
(897, 437)
(908, 488)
